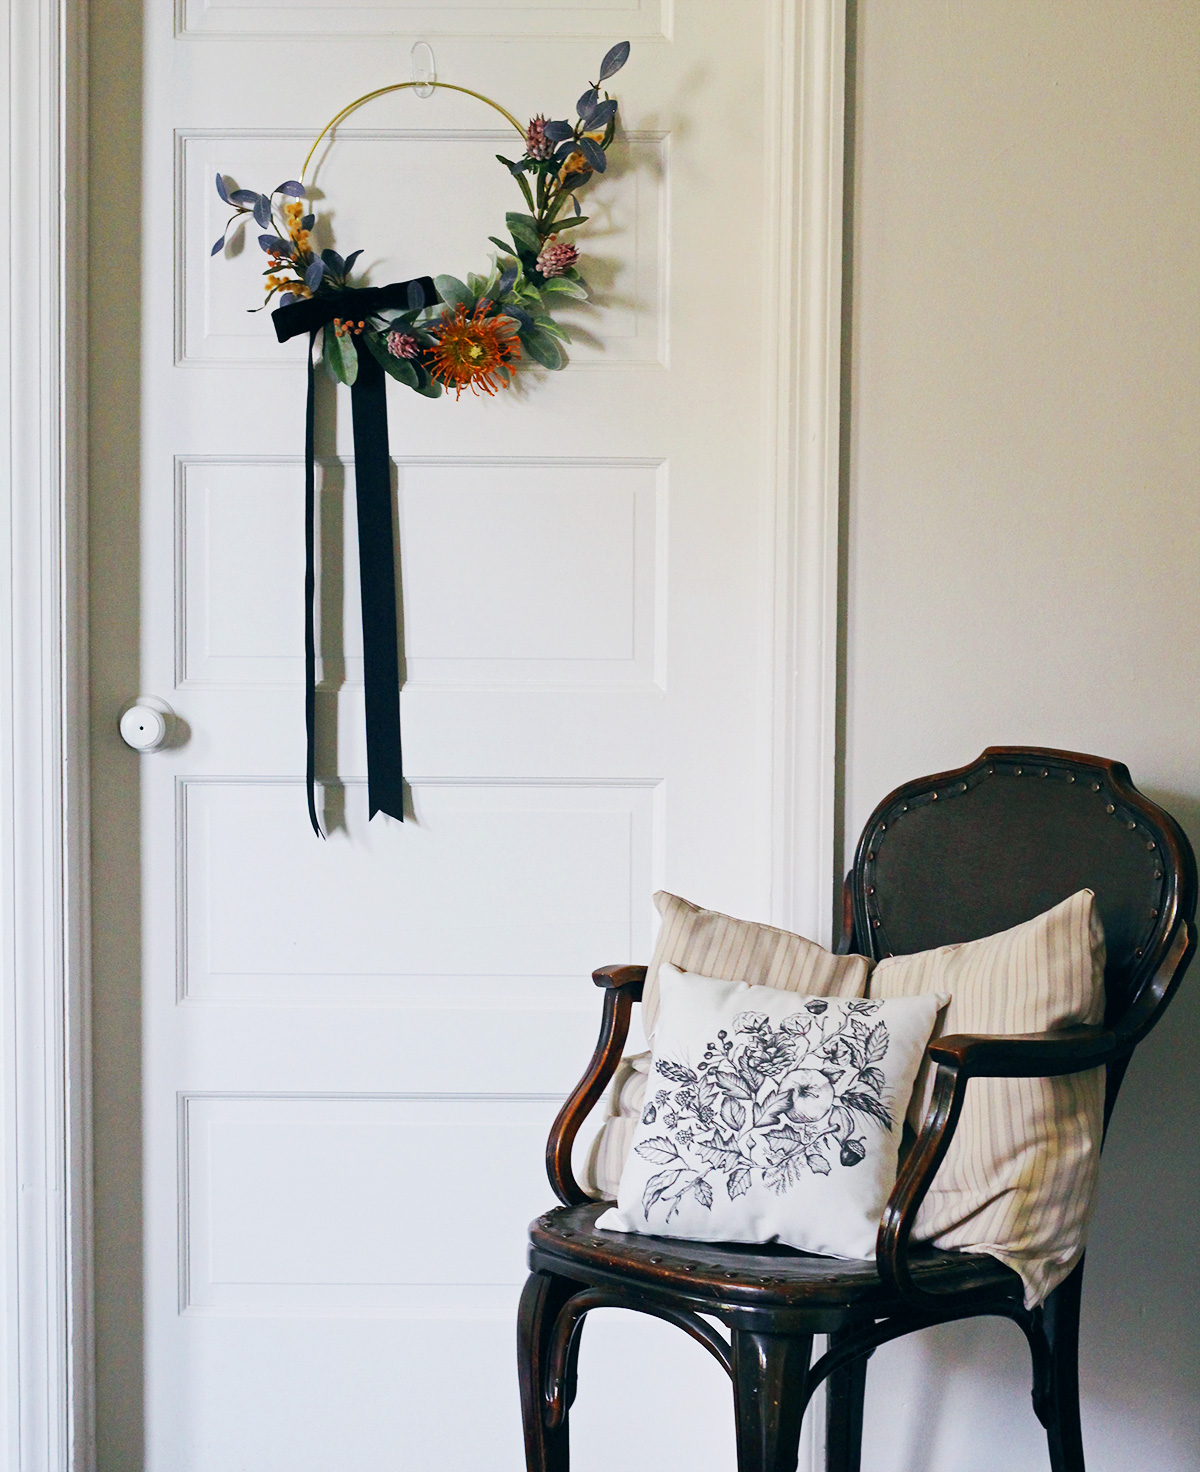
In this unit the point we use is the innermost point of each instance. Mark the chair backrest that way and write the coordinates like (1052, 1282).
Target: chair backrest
(964, 854)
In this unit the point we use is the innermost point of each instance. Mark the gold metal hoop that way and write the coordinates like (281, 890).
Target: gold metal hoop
(400, 87)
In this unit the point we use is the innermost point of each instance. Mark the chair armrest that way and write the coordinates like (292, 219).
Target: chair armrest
(960, 1058)
(623, 976)
(622, 987)
(1027, 1055)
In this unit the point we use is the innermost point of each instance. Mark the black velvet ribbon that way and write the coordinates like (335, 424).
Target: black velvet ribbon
(376, 538)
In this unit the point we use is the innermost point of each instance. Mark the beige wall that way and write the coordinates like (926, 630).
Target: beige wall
(1023, 527)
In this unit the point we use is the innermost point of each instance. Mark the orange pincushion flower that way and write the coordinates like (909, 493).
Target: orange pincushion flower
(472, 350)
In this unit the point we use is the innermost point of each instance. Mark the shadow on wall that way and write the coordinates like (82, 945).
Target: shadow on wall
(956, 1398)
(1141, 1306)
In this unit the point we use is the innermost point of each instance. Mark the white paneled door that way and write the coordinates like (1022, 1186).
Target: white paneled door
(351, 1049)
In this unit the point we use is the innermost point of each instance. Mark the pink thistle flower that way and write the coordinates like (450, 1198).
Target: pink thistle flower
(402, 345)
(537, 145)
(556, 257)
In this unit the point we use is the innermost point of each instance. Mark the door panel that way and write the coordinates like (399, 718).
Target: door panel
(351, 1049)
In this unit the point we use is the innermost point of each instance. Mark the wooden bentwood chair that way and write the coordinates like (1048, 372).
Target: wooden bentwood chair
(947, 858)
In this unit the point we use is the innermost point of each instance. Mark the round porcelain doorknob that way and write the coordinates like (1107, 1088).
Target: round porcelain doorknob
(146, 724)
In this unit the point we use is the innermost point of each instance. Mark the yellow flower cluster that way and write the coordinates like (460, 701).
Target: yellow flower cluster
(294, 209)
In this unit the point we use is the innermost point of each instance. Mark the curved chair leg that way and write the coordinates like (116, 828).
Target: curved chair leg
(769, 1372)
(546, 1449)
(1061, 1317)
(844, 1394)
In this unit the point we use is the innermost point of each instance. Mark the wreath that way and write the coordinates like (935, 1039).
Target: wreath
(428, 334)
(470, 336)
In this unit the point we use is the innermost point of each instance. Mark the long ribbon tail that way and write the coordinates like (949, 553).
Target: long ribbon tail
(310, 586)
(377, 570)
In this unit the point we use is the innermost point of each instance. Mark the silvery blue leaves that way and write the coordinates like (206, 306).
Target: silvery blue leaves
(292, 188)
(594, 154)
(586, 106)
(602, 114)
(768, 1103)
(559, 132)
(614, 60)
(249, 201)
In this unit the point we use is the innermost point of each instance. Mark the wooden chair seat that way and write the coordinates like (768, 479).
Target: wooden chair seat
(710, 1277)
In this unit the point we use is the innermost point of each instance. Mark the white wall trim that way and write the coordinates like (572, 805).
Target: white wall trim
(45, 1350)
(806, 71)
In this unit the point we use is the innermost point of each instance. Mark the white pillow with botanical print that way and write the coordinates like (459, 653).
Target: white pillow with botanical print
(771, 1117)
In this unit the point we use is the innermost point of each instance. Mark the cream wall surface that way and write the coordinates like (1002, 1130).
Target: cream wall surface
(1023, 514)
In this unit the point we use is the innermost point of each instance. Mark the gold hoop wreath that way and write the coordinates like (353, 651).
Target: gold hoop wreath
(429, 334)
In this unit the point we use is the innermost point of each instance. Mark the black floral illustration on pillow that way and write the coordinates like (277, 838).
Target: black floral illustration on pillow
(771, 1103)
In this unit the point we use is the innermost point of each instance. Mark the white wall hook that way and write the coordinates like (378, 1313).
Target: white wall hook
(424, 68)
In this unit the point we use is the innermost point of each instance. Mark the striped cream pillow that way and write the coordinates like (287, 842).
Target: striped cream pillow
(1019, 1179)
(717, 946)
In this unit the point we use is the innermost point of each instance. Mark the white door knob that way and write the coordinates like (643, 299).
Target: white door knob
(146, 723)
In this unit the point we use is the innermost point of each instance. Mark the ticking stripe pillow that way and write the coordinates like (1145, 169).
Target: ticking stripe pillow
(1019, 1179)
(716, 945)
(726, 949)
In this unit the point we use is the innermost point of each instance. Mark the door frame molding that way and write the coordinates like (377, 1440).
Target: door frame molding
(806, 65)
(45, 1198)
(46, 1372)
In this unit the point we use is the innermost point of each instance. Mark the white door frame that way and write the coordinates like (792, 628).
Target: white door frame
(45, 1379)
(45, 1271)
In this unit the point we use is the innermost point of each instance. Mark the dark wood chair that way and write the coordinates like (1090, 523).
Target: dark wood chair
(947, 858)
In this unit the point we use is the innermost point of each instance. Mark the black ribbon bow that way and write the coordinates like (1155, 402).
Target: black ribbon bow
(376, 539)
